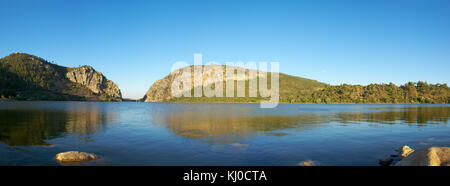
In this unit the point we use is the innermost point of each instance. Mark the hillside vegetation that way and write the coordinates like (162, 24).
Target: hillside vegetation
(160, 91)
(27, 77)
(290, 87)
(414, 93)
(300, 90)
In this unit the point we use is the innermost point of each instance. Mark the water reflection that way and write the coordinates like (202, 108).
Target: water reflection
(226, 130)
(414, 116)
(21, 126)
(226, 124)
(31, 123)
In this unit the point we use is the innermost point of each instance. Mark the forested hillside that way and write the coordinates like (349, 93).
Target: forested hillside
(420, 92)
(300, 90)
(28, 77)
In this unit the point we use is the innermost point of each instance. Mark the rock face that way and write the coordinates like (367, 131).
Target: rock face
(95, 81)
(161, 90)
(75, 156)
(404, 151)
(29, 77)
(434, 156)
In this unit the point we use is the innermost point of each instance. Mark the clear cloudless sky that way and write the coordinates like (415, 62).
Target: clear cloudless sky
(135, 43)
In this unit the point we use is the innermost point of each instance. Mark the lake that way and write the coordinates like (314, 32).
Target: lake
(129, 133)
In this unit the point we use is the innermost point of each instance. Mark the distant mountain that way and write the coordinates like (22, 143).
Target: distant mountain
(27, 77)
(160, 91)
(300, 90)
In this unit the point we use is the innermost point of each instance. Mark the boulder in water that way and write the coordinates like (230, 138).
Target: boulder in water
(404, 151)
(75, 156)
(308, 163)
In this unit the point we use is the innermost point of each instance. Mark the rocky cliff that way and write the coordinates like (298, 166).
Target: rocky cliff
(95, 81)
(294, 89)
(161, 91)
(28, 77)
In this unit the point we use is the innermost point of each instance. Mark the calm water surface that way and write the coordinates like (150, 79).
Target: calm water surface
(32, 133)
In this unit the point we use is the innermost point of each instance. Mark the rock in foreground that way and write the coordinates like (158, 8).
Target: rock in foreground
(404, 151)
(434, 156)
(307, 163)
(75, 156)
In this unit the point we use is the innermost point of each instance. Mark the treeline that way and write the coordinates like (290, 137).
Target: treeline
(410, 93)
(21, 72)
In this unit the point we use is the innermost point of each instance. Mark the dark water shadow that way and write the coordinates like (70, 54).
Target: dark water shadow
(35, 125)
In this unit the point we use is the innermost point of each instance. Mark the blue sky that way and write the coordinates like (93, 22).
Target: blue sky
(135, 43)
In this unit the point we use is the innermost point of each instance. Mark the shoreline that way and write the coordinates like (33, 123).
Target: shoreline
(228, 102)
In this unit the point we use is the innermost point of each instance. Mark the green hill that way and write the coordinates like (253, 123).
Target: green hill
(300, 90)
(27, 77)
(290, 86)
